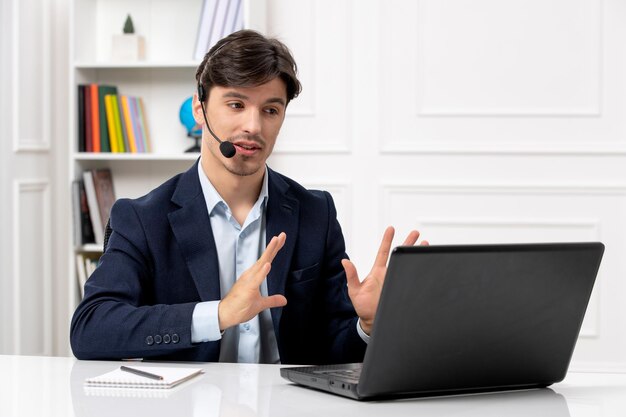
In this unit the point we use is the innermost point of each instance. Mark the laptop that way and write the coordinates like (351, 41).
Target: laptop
(464, 319)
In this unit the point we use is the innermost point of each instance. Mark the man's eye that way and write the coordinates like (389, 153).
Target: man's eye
(235, 105)
(271, 111)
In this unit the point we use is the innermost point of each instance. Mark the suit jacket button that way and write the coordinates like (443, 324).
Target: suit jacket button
(166, 339)
(149, 340)
(175, 338)
(158, 339)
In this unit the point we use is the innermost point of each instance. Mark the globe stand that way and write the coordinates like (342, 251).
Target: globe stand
(194, 131)
(196, 146)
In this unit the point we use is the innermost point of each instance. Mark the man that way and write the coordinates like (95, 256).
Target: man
(231, 261)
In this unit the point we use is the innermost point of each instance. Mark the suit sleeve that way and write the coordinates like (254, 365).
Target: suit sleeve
(116, 319)
(346, 345)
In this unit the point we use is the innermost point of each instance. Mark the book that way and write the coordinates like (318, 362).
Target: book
(134, 114)
(115, 107)
(121, 379)
(95, 117)
(221, 12)
(105, 194)
(143, 123)
(108, 103)
(239, 23)
(81, 274)
(232, 18)
(88, 123)
(128, 124)
(105, 140)
(81, 118)
(123, 128)
(76, 214)
(86, 263)
(125, 393)
(122, 140)
(204, 29)
(94, 211)
(83, 231)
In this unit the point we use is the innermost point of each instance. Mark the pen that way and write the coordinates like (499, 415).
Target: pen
(140, 373)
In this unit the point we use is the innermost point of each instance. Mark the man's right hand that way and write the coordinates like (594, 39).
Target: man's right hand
(244, 300)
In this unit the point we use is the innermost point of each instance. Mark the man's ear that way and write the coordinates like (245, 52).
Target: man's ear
(197, 110)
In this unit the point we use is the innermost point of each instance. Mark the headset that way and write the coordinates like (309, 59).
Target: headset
(226, 148)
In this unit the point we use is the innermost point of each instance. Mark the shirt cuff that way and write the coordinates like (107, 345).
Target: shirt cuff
(360, 331)
(205, 324)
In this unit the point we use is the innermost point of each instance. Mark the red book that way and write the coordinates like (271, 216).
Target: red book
(95, 117)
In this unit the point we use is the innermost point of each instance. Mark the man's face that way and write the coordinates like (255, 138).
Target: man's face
(248, 117)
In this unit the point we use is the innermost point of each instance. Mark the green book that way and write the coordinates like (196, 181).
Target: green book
(105, 136)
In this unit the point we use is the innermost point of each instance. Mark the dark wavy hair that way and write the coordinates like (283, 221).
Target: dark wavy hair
(248, 59)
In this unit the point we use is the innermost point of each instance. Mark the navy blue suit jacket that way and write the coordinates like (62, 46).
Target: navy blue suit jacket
(161, 261)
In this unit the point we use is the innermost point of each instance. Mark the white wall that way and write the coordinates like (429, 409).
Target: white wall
(473, 121)
(33, 152)
(481, 121)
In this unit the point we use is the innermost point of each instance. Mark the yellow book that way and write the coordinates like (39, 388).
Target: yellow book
(129, 125)
(108, 103)
(118, 124)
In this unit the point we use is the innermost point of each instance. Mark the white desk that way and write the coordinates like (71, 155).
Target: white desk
(39, 386)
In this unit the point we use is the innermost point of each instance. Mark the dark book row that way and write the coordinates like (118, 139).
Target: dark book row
(93, 196)
(110, 122)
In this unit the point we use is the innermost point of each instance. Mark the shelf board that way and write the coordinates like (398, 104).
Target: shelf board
(133, 65)
(108, 156)
(89, 247)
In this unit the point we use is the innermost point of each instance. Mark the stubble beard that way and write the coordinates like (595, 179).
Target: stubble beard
(237, 164)
(240, 170)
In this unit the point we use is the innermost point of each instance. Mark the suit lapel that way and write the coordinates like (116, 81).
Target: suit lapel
(281, 216)
(192, 228)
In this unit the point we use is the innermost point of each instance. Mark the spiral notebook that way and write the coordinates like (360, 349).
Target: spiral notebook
(120, 379)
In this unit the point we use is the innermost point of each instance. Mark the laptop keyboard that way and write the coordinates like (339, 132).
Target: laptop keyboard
(349, 375)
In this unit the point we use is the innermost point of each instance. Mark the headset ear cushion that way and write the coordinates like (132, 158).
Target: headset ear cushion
(201, 93)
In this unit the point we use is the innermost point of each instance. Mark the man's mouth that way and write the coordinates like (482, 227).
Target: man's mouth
(247, 148)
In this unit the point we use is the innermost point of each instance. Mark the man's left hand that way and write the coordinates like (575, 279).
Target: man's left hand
(365, 294)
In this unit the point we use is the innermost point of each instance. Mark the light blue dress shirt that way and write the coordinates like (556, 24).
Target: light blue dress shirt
(238, 248)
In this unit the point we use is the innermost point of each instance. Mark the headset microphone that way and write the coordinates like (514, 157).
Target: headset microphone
(226, 148)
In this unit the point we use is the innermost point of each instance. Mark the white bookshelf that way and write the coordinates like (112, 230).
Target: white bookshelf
(163, 80)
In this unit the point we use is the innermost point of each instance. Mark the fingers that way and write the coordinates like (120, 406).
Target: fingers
(272, 248)
(259, 270)
(272, 301)
(411, 238)
(351, 275)
(385, 247)
(424, 243)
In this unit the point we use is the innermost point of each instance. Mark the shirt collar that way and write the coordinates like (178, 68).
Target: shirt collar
(213, 198)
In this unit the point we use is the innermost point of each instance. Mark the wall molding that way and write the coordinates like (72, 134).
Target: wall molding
(516, 114)
(595, 226)
(595, 28)
(461, 187)
(433, 147)
(41, 118)
(20, 187)
(591, 329)
(338, 138)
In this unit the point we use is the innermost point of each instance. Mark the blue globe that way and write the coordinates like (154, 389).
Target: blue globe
(186, 118)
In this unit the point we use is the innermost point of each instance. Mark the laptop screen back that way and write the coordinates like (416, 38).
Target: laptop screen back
(474, 317)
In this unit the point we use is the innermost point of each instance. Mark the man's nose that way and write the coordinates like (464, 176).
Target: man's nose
(252, 123)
